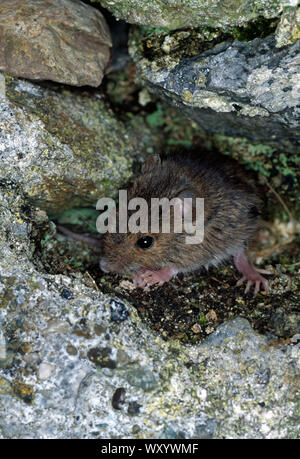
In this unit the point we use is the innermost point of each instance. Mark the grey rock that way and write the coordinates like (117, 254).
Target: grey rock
(247, 89)
(177, 14)
(64, 150)
(288, 29)
(219, 389)
(118, 309)
(62, 40)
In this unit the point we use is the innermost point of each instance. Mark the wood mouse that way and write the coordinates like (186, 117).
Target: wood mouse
(231, 210)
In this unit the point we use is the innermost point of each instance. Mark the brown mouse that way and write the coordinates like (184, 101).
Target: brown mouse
(231, 209)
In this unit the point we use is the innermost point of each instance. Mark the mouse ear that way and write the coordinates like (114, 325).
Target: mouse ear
(151, 163)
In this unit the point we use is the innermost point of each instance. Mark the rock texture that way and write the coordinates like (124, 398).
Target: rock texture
(288, 30)
(64, 150)
(177, 14)
(75, 363)
(248, 89)
(60, 40)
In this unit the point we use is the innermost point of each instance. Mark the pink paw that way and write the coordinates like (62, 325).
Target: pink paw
(147, 277)
(257, 280)
(251, 274)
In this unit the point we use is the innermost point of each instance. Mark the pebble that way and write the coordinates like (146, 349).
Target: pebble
(45, 370)
(118, 398)
(101, 357)
(119, 312)
(142, 378)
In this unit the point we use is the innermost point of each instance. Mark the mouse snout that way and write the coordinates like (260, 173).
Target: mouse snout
(104, 265)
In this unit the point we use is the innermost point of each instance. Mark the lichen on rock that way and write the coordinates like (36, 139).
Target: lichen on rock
(65, 150)
(69, 357)
(288, 30)
(179, 14)
(245, 89)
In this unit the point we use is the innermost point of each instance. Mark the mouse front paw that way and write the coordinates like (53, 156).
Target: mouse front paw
(147, 277)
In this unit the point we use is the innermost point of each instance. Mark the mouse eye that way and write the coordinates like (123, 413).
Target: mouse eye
(145, 242)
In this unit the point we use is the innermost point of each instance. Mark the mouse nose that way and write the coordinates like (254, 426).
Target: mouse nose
(104, 265)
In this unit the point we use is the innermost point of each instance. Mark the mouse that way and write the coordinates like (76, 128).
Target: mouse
(231, 212)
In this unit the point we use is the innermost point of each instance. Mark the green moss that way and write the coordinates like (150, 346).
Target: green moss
(156, 118)
(202, 320)
(282, 171)
(85, 217)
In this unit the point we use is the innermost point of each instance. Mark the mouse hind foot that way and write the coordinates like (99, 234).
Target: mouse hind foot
(251, 274)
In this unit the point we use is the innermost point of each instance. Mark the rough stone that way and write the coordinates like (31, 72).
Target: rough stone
(59, 40)
(64, 150)
(178, 14)
(247, 89)
(234, 385)
(288, 29)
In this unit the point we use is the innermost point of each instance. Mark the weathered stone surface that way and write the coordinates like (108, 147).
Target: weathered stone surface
(60, 40)
(177, 14)
(234, 385)
(64, 150)
(288, 29)
(247, 89)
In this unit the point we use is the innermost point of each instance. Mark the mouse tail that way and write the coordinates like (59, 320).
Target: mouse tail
(79, 237)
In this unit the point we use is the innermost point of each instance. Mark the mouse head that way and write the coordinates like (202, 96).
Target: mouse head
(144, 248)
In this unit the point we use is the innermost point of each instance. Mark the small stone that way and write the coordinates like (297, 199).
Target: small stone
(118, 398)
(101, 357)
(133, 408)
(169, 433)
(211, 315)
(81, 328)
(143, 379)
(196, 329)
(45, 371)
(296, 338)
(144, 99)
(122, 357)
(56, 326)
(127, 285)
(135, 429)
(71, 350)
(119, 312)
(66, 294)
